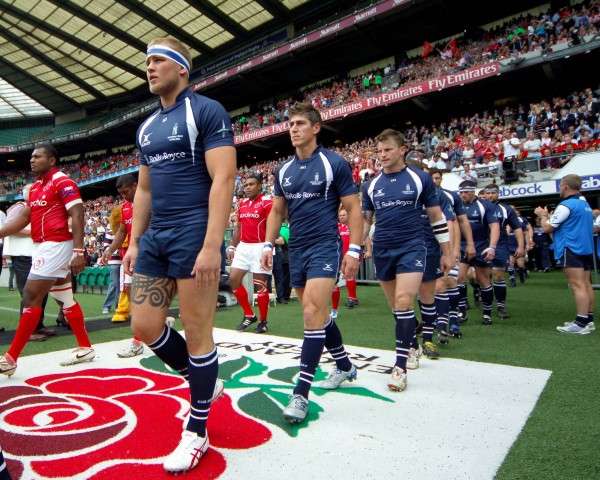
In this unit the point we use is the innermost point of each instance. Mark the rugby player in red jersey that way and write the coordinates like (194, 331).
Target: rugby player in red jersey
(53, 198)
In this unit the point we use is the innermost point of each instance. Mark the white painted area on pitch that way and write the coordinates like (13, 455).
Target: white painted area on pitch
(456, 420)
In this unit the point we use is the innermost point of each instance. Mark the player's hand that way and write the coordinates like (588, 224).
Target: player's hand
(230, 254)
(105, 258)
(129, 259)
(446, 263)
(207, 268)
(368, 254)
(349, 266)
(531, 246)
(519, 252)
(266, 260)
(77, 264)
(489, 254)
(470, 252)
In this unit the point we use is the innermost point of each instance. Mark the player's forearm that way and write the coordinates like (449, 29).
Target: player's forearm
(520, 237)
(274, 221)
(77, 224)
(494, 234)
(141, 214)
(465, 229)
(355, 225)
(14, 226)
(219, 208)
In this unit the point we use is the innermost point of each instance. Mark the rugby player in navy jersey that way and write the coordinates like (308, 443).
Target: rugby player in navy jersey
(180, 213)
(433, 272)
(507, 218)
(396, 195)
(446, 290)
(520, 264)
(311, 186)
(486, 232)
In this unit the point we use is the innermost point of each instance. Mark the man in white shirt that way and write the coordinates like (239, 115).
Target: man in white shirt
(533, 145)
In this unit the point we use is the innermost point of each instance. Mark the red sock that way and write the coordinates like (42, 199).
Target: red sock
(351, 286)
(242, 297)
(27, 325)
(263, 304)
(335, 298)
(74, 316)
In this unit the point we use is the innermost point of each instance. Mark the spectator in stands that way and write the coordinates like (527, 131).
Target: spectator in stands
(469, 174)
(533, 146)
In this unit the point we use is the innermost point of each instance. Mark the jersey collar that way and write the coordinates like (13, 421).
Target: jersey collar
(48, 176)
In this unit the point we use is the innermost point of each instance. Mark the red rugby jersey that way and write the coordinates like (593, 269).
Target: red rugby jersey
(49, 199)
(252, 217)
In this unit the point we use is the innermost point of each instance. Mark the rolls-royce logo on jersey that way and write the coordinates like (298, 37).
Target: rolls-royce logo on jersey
(287, 182)
(379, 193)
(408, 190)
(316, 181)
(146, 139)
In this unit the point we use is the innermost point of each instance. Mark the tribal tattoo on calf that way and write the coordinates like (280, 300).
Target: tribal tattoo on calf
(159, 292)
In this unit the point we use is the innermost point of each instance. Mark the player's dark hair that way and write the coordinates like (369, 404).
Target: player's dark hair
(308, 111)
(256, 177)
(391, 134)
(433, 171)
(125, 180)
(50, 150)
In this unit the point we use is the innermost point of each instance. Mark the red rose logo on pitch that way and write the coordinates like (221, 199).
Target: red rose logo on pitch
(102, 423)
(39, 263)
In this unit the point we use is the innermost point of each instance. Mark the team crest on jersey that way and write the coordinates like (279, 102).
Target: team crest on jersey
(408, 190)
(316, 181)
(47, 187)
(39, 263)
(224, 130)
(379, 193)
(174, 137)
(287, 182)
(146, 139)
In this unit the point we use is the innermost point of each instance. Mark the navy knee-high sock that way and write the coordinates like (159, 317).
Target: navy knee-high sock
(312, 348)
(500, 294)
(487, 298)
(405, 331)
(203, 372)
(171, 348)
(335, 346)
(442, 307)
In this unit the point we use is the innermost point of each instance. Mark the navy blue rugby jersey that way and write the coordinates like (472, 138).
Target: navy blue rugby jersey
(397, 200)
(457, 204)
(313, 188)
(507, 216)
(481, 214)
(172, 143)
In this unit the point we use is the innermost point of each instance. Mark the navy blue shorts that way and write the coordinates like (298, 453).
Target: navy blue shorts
(316, 261)
(501, 259)
(433, 270)
(390, 262)
(170, 252)
(512, 245)
(572, 260)
(477, 260)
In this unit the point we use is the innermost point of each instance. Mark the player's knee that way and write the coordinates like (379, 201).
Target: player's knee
(404, 302)
(260, 286)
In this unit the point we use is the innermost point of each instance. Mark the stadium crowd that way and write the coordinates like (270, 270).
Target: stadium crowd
(548, 130)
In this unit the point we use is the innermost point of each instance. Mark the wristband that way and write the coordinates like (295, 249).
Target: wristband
(353, 254)
(231, 248)
(354, 248)
(77, 252)
(492, 248)
(268, 246)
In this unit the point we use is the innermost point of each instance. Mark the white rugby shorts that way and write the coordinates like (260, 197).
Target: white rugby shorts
(51, 260)
(124, 279)
(247, 258)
